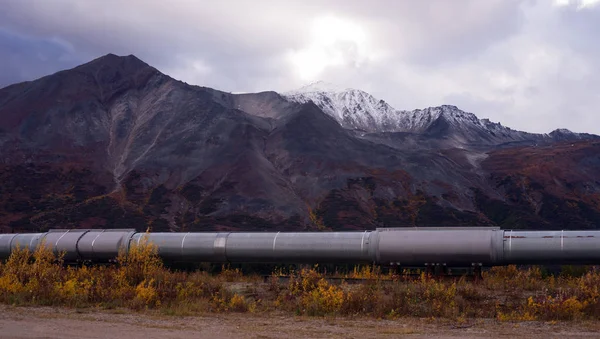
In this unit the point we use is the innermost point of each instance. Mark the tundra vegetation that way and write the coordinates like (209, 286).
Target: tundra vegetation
(140, 281)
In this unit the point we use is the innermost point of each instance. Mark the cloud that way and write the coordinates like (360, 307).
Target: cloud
(334, 42)
(530, 64)
(578, 4)
(25, 57)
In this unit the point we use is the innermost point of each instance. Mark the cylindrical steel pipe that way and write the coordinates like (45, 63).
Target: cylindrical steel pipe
(75, 244)
(566, 247)
(268, 247)
(9, 242)
(453, 246)
(447, 245)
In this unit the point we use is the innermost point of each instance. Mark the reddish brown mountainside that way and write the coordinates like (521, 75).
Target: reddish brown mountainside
(115, 143)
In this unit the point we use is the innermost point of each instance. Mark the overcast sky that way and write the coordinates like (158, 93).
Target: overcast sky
(531, 65)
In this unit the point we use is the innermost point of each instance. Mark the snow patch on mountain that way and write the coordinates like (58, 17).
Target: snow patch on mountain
(352, 108)
(320, 86)
(359, 110)
(356, 109)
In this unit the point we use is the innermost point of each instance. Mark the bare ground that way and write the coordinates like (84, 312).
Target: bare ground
(47, 322)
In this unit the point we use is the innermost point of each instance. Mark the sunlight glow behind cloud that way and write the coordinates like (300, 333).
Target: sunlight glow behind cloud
(333, 42)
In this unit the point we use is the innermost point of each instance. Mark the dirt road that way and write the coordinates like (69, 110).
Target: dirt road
(42, 322)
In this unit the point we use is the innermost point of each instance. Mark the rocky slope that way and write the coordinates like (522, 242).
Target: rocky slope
(116, 143)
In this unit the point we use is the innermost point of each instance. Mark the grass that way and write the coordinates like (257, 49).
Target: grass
(140, 281)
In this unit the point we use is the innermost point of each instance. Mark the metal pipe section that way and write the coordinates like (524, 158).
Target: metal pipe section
(444, 245)
(452, 246)
(547, 247)
(92, 245)
(269, 247)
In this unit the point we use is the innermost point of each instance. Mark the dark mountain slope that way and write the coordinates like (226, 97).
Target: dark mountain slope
(549, 187)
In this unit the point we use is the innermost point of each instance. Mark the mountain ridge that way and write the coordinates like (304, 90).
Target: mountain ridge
(352, 108)
(356, 109)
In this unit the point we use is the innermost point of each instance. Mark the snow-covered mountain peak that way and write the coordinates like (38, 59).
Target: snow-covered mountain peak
(454, 113)
(353, 108)
(319, 86)
(359, 110)
(562, 131)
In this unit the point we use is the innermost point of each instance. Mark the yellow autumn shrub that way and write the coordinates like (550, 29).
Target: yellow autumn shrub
(323, 299)
(146, 294)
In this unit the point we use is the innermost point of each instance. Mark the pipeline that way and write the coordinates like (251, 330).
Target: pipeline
(451, 246)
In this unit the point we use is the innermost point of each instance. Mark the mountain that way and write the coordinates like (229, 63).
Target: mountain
(352, 108)
(116, 143)
(355, 109)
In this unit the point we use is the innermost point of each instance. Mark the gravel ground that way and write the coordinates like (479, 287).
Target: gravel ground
(46, 322)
